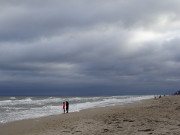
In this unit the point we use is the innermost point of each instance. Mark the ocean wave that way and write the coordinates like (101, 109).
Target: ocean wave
(5, 102)
(12, 98)
(29, 101)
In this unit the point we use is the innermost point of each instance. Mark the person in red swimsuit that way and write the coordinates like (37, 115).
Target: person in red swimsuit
(64, 106)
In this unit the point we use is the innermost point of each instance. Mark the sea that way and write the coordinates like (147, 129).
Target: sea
(19, 108)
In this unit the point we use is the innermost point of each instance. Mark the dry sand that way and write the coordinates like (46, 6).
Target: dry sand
(156, 117)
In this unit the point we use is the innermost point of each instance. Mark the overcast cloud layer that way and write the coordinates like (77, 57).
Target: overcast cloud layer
(88, 47)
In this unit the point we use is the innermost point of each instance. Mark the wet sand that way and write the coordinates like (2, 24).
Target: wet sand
(148, 117)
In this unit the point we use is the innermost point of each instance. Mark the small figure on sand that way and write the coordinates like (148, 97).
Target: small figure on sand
(67, 106)
(64, 107)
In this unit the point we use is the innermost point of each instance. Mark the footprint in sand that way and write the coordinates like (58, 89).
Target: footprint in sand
(106, 130)
(119, 127)
(66, 131)
(178, 108)
(127, 120)
(146, 130)
(76, 132)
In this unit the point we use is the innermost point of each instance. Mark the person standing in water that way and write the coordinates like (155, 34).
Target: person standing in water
(64, 106)
(67, 106)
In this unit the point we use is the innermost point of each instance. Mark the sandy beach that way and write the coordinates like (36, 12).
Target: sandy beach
(153, 116)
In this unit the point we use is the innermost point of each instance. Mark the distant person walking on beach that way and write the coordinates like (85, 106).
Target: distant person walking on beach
(64, 106)
(67, 106)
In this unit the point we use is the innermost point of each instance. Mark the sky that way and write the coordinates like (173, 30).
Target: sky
(89, 47)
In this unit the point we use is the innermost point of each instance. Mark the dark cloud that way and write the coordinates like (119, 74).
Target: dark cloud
(29, 20)
(89, 47)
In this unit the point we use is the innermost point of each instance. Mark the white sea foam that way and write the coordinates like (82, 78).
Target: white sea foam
(12, 98)
(18, 108)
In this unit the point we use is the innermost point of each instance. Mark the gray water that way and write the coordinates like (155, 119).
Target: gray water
(18, 108)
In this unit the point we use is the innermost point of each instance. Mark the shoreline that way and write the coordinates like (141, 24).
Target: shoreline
(148, 116)
(59, 110)
(41, 117)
